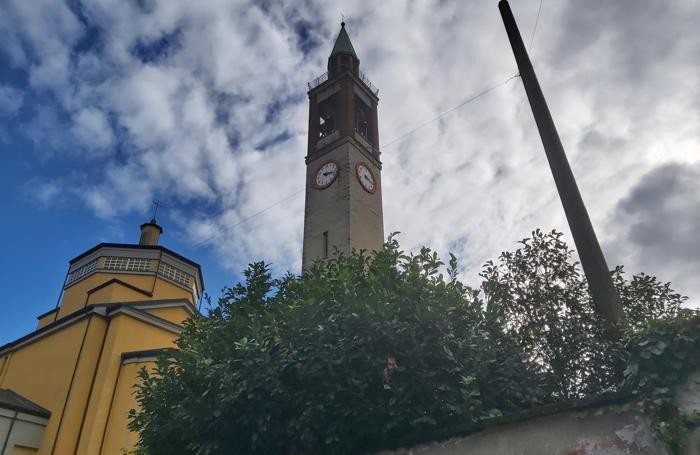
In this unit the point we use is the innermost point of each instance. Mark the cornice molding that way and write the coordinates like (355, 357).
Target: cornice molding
(105, 311)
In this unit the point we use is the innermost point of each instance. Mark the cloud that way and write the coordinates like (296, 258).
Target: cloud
(203, 106)
(45, 193)
(40, 36)
(91, 127)
(49, 131)
(660, 221)
(11, 101)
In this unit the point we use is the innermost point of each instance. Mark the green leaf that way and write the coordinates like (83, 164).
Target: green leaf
(424, 420)
(384, 344)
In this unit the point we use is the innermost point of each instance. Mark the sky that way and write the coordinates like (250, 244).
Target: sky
(108, 105)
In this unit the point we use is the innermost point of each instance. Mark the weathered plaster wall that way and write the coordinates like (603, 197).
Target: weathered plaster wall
(605, 431)
(589, 427)
(688, 401)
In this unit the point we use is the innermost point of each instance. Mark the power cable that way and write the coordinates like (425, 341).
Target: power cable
(534, 30)
(470, 99)
(452, 109)
(251, 216)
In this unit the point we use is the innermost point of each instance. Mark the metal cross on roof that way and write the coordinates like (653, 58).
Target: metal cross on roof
(157, 204)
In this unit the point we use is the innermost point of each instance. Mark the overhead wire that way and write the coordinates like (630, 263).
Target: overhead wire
(252, 216)
(468, 100)
(534, 29)
(452, 109)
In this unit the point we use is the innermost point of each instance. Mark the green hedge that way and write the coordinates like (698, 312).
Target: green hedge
(360, 351)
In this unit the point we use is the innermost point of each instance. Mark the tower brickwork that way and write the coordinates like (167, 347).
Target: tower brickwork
(343, 171)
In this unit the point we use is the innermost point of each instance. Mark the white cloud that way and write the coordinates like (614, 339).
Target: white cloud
(204, 104)
(92, 128)
(46, 193)
(11, 101)
(42, 35)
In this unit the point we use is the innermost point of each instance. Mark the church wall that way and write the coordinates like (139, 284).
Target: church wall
(165, 290)
(118, 436)
(80, 363)
(47, 319)
(366, 218)
(176, 315)
(326, 210)
(347, 107)
(71, 418)
(116, 292)
(42, 370)
(78, 296)
(104, 398)
(122, 299)
(350, 215)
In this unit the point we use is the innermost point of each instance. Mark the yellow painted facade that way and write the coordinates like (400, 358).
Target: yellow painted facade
(122, 306)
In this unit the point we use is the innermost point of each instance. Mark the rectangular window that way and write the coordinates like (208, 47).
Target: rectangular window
(127, 264)
(82, 271)
(174, 274)
(327, 117)
(325, 244)
(362, 119)
(345, 63)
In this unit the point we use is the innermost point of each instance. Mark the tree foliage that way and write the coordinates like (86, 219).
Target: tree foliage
(361, 351)
(660, 355)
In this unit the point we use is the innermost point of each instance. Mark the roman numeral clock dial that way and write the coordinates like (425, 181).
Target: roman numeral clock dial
(365, 177)
(326, 175)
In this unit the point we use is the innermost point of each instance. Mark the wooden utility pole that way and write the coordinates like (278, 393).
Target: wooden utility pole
(605, 297)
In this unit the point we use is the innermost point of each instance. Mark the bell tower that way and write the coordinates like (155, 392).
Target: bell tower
(343, 171)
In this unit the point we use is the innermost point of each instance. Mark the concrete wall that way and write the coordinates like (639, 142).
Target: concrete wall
(351, 216)
(602, 429)
(598, 432)
(688, 401)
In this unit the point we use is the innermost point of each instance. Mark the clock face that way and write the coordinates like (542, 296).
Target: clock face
(326, 174)
(365, 177)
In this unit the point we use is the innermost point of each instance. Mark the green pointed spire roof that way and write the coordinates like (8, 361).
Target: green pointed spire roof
(342, 43)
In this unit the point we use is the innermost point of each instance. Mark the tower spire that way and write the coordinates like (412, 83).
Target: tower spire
(343, 57)
(343, 45)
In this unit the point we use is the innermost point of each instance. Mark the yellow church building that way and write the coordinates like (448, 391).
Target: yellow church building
(67, 387)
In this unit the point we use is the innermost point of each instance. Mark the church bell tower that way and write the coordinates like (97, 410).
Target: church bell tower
(343, 182)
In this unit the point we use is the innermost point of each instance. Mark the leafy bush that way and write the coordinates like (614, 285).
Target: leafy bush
(363, 350)
(661, 354)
